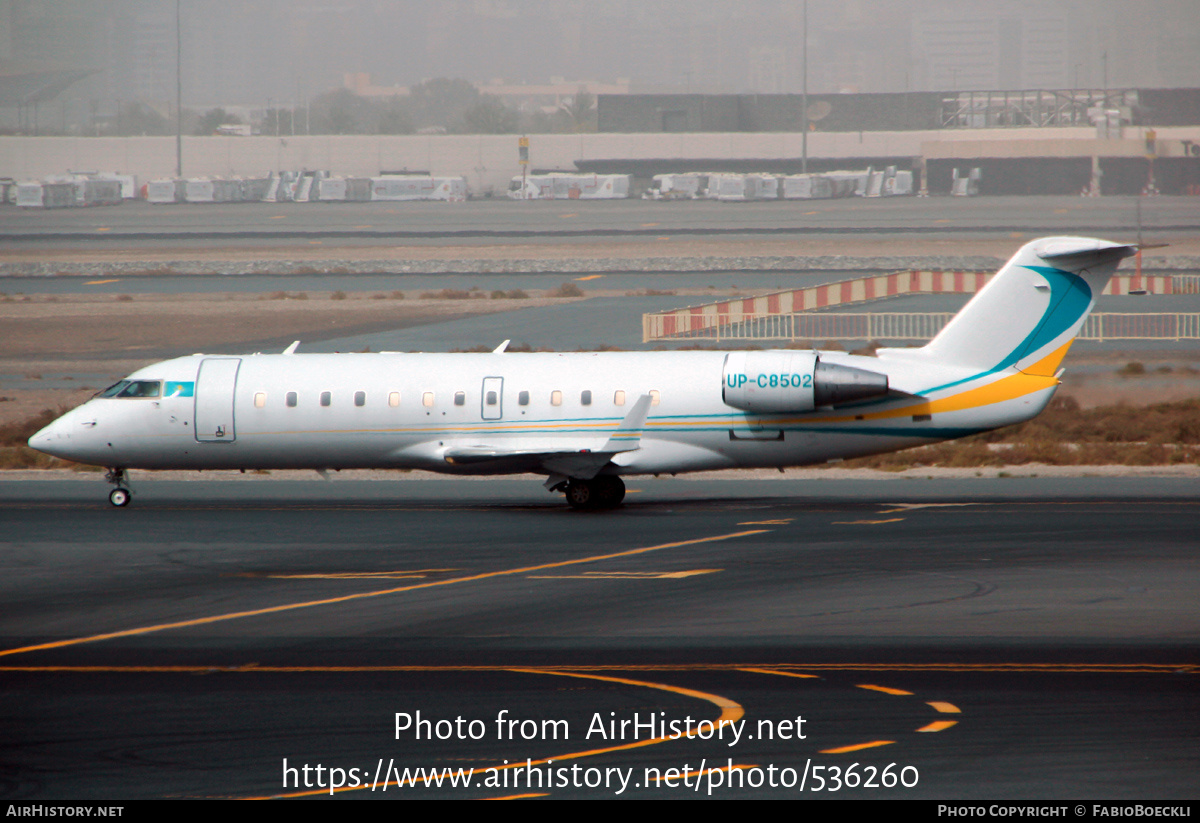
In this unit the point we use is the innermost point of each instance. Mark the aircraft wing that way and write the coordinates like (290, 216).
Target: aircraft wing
(583, 459)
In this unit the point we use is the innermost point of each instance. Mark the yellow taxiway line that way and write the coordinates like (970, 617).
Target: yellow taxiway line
(328, 601)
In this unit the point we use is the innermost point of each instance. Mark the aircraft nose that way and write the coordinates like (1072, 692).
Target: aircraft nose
(49, 439)
(64, 437)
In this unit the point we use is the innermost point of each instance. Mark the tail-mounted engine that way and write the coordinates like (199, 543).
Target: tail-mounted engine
(768, 382)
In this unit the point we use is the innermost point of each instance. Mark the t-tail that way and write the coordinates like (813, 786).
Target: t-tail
(1028, 314)
(997, 361)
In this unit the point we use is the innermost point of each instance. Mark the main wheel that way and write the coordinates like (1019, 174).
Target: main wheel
(581, 494)
(603, 492)
(610, 490)
(120, 497)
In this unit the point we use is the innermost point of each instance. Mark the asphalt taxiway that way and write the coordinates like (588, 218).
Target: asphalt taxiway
(1000, 638)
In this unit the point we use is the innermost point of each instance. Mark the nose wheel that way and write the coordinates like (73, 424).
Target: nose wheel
(120, 496)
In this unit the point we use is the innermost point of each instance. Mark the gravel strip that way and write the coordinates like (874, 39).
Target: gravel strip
(336, 267)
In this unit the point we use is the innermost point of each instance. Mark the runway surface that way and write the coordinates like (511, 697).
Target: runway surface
(985, 638)
(413, 285)
(490, 220)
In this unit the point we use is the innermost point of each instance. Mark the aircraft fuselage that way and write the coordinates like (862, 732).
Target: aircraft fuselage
(333, 411)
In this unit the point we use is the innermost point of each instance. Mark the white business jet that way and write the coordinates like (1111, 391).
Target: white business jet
(585, 420)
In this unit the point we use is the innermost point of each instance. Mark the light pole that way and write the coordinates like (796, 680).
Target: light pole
(178, 95)
(804, 96)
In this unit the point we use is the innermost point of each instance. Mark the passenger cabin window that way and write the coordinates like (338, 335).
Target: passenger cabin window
(490, 399)
(556, 398)
(654, 397)
(394, 399)
(326, 398)
(460, 398)
(523, 398)
(290, 398)
(427, 399)
(586, 397)
(619, 397)
(260, 399)
(360, 398)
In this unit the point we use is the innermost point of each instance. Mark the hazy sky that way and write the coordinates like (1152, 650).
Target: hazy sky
(249, 51)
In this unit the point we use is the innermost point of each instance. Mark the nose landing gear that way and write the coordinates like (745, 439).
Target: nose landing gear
(120, 496)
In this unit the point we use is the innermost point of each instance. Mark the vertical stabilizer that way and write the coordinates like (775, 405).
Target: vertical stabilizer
(1030, 311)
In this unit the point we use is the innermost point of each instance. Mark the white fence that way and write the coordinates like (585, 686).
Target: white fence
(1185, 283)
(894, 326)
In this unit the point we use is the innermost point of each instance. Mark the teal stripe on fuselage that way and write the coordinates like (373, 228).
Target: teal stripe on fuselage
(941, 433)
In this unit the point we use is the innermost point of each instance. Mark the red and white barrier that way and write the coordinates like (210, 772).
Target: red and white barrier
(688, 321)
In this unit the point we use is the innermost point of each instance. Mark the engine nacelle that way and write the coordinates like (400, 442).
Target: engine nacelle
(769, 382)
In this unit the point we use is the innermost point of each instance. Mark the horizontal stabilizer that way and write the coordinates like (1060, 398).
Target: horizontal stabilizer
(1094, 260)
(1064, 249)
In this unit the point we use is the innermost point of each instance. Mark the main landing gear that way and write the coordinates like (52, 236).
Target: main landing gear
(120, 496)
(604, 491)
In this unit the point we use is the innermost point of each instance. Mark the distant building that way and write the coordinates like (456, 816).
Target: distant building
(892, 112)
(518, 95)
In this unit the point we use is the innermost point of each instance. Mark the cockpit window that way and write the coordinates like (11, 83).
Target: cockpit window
(112, 390)
(136, 388)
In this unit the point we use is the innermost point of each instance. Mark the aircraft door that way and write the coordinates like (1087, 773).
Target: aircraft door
(215, 386)
(492, 401)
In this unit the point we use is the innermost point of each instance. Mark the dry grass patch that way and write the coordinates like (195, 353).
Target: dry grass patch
(1159, 434)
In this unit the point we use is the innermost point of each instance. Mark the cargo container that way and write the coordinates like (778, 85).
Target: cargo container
(762, 186)
(226, 190)
(395, 187)
(46, 195)
(566, 186)
(164, 190)
(675, 186)
(331, 189)
(127, 182)
(29, 195)
(198, 190)
(358, 189)
(734, 187)
(253, 189)
(87, 189)
(93, 192)
(849, 183)
(807, 187)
